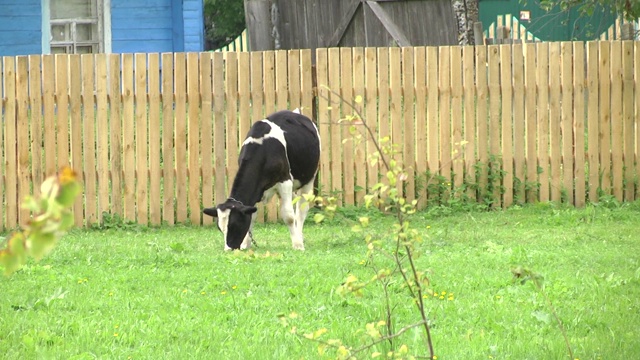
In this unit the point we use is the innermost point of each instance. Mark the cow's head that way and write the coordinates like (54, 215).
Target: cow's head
(234, 220)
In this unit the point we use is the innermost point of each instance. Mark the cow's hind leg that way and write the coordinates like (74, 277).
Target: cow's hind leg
(288, 214)
(302, 208)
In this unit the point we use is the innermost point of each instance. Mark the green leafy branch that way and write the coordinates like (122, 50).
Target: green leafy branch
(51, 218)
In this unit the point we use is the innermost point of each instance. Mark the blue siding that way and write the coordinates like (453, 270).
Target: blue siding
(20, 27)
(156, 26)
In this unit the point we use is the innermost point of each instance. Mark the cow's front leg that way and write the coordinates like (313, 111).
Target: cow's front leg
(285, 190)
(246, 243)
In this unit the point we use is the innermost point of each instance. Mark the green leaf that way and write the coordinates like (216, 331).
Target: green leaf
(41, 244)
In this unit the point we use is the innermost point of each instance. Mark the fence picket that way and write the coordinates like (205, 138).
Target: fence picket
(231, 113)
(395, 108)
(627, 120)
(206, 134)
(579, 122)
(433, 138)
(36, 121)
(519, 137)
(360, 151)
(567, 121)
(593, 120)
(75, 101)
(542, 80)
(128, 134)
(322, 80)
(468, 148)
(89, 139)
(102, 134)
(335, 143)
(168, 142)
(506, 62)
(617, 140)
(220, 165)
(180, 140)
(3, 146)
(494, 124)
(636, 67)
(457, 155)
(193, 138)
(530, 122)
(10, 135)
(155, 172)
(22, 140)
(257, 102)
(555, 127)
(141, 139)
(408, 112)
(605, 117)
(482, 120)
(115, 128)
(420, 62)
(346, 88)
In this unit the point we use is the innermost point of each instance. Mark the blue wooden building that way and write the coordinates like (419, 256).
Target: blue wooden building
(97, 26)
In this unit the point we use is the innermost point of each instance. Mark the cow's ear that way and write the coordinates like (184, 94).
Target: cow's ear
(249, 210)
(211, 211)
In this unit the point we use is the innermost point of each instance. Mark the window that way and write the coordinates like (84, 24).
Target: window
(76, 26)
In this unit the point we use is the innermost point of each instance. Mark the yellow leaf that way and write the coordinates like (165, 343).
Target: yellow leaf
(358, 99)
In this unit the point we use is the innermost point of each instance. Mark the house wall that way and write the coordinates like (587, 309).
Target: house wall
(20, 27)
(156, 26)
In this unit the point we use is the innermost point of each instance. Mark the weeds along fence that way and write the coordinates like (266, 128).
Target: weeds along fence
(155, 137)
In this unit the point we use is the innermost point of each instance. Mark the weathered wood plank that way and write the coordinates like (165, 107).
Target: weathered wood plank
(360, 151)
(457, 155)
(180, 133)
(628, 120)
(346, 89)
(409, 128)
(420, 63)
(542, 80)
(168, 143)
(593, 120)
(555, 123)
(142, 139)
(155, 171)
(206, 133)
(530, 122)
(89, 139)
(579, 122)
(494, 124)
(102, 134)
(10, 132)
(75, 100)
(115, 132)
(433, 138)
(519, 139)
(506, 77)
(605, 117)
(468, 145)
(482, 120)
(35, 104)
(193, 138)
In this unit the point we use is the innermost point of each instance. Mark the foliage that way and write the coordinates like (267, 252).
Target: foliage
(51, 218)
(224, 21)
(629, 9)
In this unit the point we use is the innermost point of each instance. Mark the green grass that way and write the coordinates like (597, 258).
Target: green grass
(173, 293)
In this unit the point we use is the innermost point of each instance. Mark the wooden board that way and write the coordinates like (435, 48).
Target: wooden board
(360, 151)
(3, 146)
(334, 129)
(323, 118)
(395, 108)
(605, 117)
(231, 112)
(257, 101)
(371, 114)
(494, 121)
(468, 145)
(102, 135)
(193, 138)
(180, 135)
(155, 171)
(409, 122)
(637, 112)
(219, 153)
(206, 134)
(128, 133)
(142, 139)
(383, 107)
(270, 98)
(617, 138)
(115, 132)
(168, 174)
(593, 125)
(531, 176)
(420, 64)
(22, 138)
(36, 124)
(555, 124)
(482, 120)
(542, 105)
(433, 134)
(567, 134)
(628, 120)
(75, 100)
(519, 136)
(89, 139)
(457, 130)
(346, 88)
(10, 132)
(578, 123)
(306, 83)
(506, 77)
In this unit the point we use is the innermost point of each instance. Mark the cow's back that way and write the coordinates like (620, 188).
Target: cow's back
(303, 143)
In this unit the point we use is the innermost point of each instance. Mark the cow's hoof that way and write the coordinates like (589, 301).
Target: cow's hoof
(298, 247)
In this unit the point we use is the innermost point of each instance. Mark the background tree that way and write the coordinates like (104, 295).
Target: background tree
(629, 9)
(223, 22)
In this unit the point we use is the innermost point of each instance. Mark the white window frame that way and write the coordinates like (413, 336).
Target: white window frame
(104, 26)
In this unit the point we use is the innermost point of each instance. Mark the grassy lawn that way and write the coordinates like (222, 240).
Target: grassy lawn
(173, 293)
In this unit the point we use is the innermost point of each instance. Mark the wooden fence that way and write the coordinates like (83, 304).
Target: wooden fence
(155, 136)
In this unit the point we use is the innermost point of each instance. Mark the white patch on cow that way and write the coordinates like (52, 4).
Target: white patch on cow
(276, 132)
(223, 224)
(297, 111)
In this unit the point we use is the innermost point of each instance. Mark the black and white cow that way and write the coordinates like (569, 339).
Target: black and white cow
(280, 155)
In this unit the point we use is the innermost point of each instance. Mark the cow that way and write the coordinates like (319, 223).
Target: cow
(279, 155)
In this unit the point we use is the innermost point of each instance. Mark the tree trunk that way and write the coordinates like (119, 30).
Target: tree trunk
(466, 12)
(258, 19)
